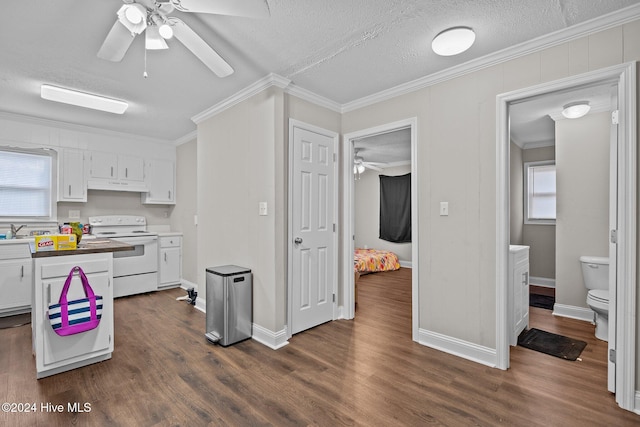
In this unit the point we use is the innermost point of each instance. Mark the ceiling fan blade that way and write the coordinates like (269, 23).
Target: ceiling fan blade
(248, 8)
(116, 43)
(200, 48)
(370, 166)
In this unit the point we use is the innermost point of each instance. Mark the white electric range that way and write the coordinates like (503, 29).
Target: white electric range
(135, 271)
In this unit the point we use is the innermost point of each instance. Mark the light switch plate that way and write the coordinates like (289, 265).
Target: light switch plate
(444, 208)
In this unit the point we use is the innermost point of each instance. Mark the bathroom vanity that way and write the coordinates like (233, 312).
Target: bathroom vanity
(54, 353)
(518, 291)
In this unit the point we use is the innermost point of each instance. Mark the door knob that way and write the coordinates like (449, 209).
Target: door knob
(297, 240)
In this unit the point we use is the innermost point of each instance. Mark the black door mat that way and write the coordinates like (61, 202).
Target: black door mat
(553, 344)
(542, 301)
(14, 321)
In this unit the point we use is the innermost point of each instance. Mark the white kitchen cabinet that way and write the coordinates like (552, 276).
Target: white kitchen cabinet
(111, 171)
(518, 291)
(170, 262)
(54, 353)
(16, 279)
(72, 181)
(160, 178)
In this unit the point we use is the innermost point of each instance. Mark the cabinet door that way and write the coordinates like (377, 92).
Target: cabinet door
(86, 344)
(130, 168)
(104, 165)
(160, 180)
(520, 298)
(73, 186)
(15, 284)
(170, 260)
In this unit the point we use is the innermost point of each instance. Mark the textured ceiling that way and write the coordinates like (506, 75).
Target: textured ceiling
(341, 50)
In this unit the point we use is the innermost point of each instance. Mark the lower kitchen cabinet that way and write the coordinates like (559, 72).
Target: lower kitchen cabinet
(16, 278)
(170, 261)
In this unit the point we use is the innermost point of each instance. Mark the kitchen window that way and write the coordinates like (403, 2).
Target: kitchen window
(27, 189)
(540, 192)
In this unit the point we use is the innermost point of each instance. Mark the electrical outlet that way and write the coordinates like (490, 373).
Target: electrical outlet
(262, 208)
(74, 214)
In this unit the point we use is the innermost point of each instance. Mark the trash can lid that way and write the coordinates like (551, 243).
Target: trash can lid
(228, 270)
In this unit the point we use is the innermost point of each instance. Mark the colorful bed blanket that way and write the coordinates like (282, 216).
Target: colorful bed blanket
(372, 260)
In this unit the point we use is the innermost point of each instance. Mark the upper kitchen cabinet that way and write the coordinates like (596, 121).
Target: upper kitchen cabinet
(111, 171)
(160, 179)
(72, 183)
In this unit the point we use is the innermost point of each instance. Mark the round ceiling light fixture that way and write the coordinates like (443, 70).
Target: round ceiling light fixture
(166, 31)
(135, 13)
(575, 110)
(453, 41)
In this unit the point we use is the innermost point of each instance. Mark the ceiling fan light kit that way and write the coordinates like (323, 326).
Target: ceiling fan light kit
(82, 99)
(136, 16)
(453, 41)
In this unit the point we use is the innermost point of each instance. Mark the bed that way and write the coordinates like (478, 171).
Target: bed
(374, 260)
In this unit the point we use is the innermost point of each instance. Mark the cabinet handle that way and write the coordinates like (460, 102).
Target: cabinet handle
(126, 172)
(111, 171)
(169, 194)
(165, 257)
(22, 271)
(525, 278)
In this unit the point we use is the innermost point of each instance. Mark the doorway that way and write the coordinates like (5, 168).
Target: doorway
(348, 217)
(622, 292)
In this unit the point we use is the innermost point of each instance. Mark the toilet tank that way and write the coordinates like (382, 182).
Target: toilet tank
(595, 272)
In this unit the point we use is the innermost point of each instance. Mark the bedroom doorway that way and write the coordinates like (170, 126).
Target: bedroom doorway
(622, 293)
(353, 150)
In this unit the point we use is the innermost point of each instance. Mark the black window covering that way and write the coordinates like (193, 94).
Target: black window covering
(395, 208)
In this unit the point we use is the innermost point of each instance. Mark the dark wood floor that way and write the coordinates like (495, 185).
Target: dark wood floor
(361, 372)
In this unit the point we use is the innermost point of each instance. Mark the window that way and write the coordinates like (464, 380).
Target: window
(540, 192)
(27, 185)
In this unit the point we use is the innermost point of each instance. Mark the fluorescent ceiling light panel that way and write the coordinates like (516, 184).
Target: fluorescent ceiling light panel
(453, 41)
(82, 99)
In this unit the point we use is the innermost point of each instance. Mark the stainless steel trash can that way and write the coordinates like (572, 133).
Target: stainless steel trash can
(229, 304)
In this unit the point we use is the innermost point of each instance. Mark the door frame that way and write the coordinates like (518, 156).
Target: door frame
(293, 123)
(348, 218)
(625, 76)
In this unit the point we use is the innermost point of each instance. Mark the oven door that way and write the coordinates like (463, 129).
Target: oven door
(142, 259)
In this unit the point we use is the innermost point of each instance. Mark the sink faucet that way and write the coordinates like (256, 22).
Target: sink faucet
(15, 230)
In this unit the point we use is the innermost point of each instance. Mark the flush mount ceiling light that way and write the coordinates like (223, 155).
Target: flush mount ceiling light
(82, 99)
(453, 41)
(575, 110)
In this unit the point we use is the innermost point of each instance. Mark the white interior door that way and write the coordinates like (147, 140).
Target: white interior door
(613, 249)
(312, 230)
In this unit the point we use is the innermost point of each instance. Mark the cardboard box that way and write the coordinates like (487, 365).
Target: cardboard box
(55, 242)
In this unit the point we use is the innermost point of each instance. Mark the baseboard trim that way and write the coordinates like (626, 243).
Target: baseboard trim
(573, 312)
(636, 408)
(273, 340)
(544, 282)
(185, 284)
(405, 264)
(467, 350)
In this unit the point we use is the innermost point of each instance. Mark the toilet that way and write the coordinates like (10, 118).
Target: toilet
(595, 273)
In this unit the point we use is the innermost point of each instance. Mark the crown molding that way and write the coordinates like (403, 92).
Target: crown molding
(186, 138)
(78, 128)
(246, 93)
(314, 98)
(555, 38)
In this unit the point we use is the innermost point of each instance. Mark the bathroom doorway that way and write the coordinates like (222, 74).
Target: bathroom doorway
(623, 216)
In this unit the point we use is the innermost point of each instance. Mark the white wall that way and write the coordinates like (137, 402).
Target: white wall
(182, 217)
(516, 214)
(582, 185)
(367, 213)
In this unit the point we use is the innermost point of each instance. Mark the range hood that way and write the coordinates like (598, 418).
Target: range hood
(117, 185)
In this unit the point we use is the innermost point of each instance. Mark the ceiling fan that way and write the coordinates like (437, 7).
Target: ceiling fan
(359, 165)
(152, 17)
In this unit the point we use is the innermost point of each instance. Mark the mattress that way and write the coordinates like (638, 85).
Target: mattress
(374, 260)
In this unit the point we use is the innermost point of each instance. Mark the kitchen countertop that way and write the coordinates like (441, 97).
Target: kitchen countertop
(90, 246)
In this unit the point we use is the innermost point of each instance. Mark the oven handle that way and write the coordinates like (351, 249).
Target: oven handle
(135, 241)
